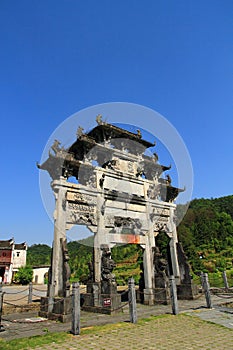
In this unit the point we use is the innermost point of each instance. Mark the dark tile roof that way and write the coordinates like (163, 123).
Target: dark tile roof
(21, 246)
(7, 244)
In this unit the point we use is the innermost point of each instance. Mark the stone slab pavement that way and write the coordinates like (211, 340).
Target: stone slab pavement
(184, 331)
(172, 332)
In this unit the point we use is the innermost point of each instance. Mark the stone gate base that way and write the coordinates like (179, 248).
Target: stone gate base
(61, 311)
(107, 304)
(187, 291)
(162, 296)
(158, 296)
(101, 298)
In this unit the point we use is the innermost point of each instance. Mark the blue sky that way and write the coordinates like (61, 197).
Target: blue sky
(59, 57)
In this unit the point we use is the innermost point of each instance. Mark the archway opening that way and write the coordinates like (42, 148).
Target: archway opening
(162, 247)
(128, 259)
(80, 248)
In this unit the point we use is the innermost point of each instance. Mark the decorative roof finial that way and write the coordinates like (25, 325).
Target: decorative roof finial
(56, 146)
(139, 134)
(99, 120)
(79, 132)
(155, 157)
(169, 180)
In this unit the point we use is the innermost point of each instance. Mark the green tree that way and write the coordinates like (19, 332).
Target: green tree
(207, 231)
(38, 254)
(24, 275)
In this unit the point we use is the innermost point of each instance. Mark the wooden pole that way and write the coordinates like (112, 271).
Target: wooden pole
(173, 292)
(75, 328)
(132, 301)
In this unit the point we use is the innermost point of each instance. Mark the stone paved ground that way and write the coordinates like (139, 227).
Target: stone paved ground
(170, 332)
(25, 329)
(176, 332)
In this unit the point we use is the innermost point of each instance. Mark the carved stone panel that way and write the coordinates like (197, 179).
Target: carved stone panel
(160, 211)
(121, 185)
(153, 191)
(81, 214)
(77, 207)
(125, 166)
(130, 223)
(81, 198)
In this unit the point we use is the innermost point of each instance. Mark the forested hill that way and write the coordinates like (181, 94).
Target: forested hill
(127, 257)
(222, 204)
(206, 234)
(38, 254)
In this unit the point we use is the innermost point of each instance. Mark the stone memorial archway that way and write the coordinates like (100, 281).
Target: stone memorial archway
(120, 196)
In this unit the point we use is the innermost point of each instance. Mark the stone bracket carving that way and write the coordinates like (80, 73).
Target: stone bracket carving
(124, 222)
(160, 226)
(131, 223)
(82, 218)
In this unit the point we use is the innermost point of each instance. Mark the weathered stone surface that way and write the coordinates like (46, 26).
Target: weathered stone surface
(186, 289)
(120, 195)
(61, 310)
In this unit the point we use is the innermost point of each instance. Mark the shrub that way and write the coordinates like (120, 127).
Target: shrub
(24, 275)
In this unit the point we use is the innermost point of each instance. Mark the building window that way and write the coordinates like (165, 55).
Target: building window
(17, 254)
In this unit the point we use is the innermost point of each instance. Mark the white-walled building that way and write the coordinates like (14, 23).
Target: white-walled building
(40, 273)
(12, 257)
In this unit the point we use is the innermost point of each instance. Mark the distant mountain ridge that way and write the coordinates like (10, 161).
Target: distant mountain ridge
(222, 204)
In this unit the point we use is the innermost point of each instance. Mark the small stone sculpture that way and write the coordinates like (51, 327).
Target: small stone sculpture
(161, 269)
(108, 265)
(66, 269)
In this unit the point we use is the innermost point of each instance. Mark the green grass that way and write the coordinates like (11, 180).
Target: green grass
(32, 342)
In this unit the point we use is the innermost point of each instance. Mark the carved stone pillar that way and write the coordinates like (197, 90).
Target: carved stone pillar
(173, 252)
(148, 273)
(59, 236)
(148, 260)
(99, 238)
